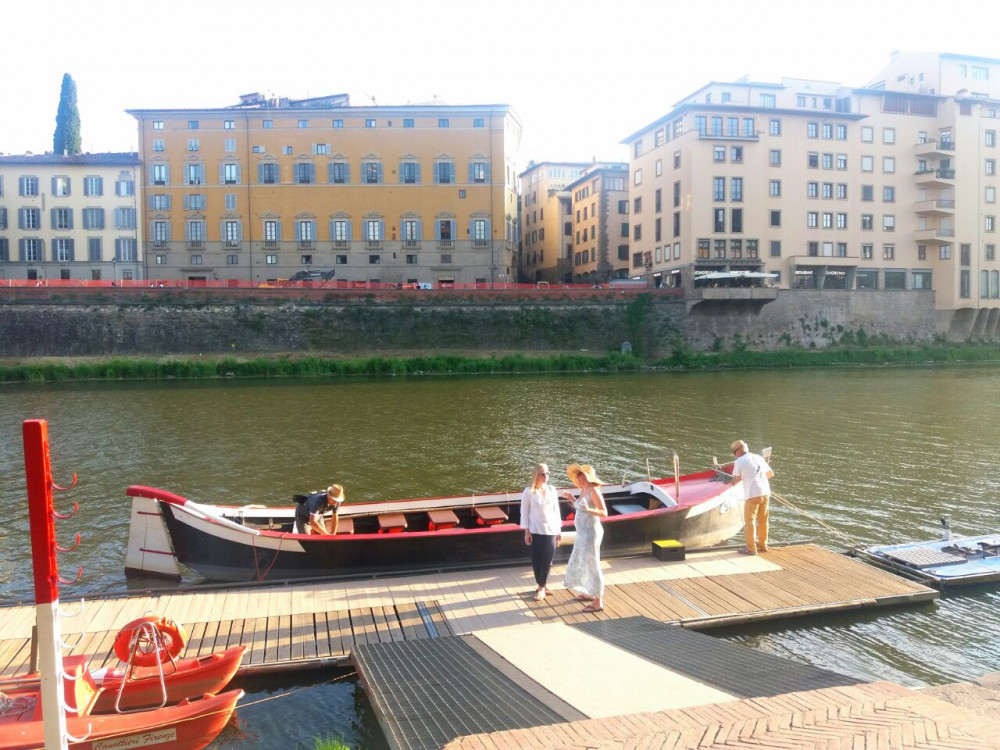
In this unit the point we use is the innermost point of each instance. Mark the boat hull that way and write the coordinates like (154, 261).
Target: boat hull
(960, 561)
(189, 725)
(226, 552)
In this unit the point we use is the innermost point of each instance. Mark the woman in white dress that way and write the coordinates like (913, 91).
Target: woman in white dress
(583, 572)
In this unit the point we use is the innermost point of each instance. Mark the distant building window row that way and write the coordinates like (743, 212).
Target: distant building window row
(337, 173)
(30, 218)
(337, 123)
(63, 250)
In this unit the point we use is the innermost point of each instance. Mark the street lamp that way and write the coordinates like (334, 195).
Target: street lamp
(114, 271)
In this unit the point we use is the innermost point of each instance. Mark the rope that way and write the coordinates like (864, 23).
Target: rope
(846, 539)
(296, 690)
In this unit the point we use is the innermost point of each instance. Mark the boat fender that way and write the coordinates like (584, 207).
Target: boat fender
(168, 644)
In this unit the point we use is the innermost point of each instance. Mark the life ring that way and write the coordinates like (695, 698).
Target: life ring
(150, 649)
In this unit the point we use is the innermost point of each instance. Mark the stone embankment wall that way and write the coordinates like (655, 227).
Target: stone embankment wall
(652, 323)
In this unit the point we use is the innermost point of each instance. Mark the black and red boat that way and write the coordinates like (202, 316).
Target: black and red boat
(256, 543)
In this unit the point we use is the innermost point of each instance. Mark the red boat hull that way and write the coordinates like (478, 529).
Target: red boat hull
(190, 725)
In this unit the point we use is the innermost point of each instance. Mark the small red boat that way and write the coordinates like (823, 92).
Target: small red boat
(189, 725)
(182, 679)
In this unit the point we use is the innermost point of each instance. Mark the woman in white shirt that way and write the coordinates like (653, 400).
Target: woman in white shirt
(542, 524)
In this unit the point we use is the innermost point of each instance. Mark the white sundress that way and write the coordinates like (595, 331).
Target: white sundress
(583, 572)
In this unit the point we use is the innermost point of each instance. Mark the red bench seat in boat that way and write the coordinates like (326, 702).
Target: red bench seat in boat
(489, 515)
(391, 523)
(442, 519)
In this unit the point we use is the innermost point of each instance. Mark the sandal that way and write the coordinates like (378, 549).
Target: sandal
(539, 595)
(584, 598)
(593, 608)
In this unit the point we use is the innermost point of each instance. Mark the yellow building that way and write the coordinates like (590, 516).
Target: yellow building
(547, 221)
(890, 186)
(600, 212)
(69, 217)
(271, 187)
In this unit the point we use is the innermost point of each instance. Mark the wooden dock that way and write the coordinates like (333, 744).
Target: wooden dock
(297, 626)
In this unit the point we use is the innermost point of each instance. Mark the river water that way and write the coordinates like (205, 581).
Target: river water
(876, 455)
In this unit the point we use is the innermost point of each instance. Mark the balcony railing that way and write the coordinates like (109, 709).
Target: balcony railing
(271, 244)
(305, 244)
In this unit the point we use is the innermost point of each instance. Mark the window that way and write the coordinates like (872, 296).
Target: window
(271, 260)
(161, 260)
(827, 220)
(812, 130)
(921, 280)
(370, 123)
(372, 172)
(444, 172)
(409, 172)
(888, 135)
(888, 252)
(407, 122)
(158, 144)
(272, 230)
(867, 163)
(867, 134)
(444, 122)
(229, 124)
(736, 220)
(340, 173)
(231, 231)
(267, 174)
(479, 171)
(28, 187)
(636, 205)
(29, 218)
(305, 230)
(990, 195)
(157, 124)
(775, 248)
(305, 173)
(774, 157)
(161, 231)
(964, 284)
(124, 218)
(303, 124)
(192, 124)
(827, 190)
(719, 154)
(812, 219)
(479, 232)
(945, 252)
(637, 177)
(196, 259)
(192, 144)
(841, 191)
(812, 190)
(93, 218)
(373, 231)
(478, 122)
(867, 192)
(774, 127)
(768, 100)
(736, 154)
(867, 251)
(194, 174)
(31, 249)
(841, 221)
(827, 161)
(195, 231)
(194, 202)
(60, 186)
(719, 188)
(124, 188)
(990, 138)
(62, 218)
(812, 160)
(888, 223)
(841, 132)
(94, 249)
(989, 223)
(411, 231)
(718, 220)
(341, 260)
(888, 194)
(774, 218)
(231, 174)
(232, 260)
(991, 166)
(267, 124)
(841, 161)
(321, 149)
(888, 164)
(340, 230)
(93, 186)
(867, 222)
(774, 188)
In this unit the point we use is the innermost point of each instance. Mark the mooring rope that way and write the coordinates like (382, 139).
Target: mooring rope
(299, 689)
(851, 544)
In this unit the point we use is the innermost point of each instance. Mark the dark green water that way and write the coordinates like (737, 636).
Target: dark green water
(877, 455)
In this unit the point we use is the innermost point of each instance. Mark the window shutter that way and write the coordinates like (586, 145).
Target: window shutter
(53, 186)
(402, 166)
(454, 228)
(350, 231)
(417, 165)
(71, 247)
(20, 219)
(21, 250)
(20, 186)
(379, 178)
(239, 230)
(329, 174)
(486, 172)
(52, 218)
(100, 186)
(277, 229)
(420, 230)
(222, 231)
(381, 230)
(222, 174)
(489, 234)
(260, 173)
(332, 228)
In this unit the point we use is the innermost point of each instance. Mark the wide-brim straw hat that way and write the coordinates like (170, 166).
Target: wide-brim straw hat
(336, 492)
(573, 471)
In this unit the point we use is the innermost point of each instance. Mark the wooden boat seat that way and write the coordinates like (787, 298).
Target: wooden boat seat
(442, 519)
(391, 523)
(346, 526)
(489, 515)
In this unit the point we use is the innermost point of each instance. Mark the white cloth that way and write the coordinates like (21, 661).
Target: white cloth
(753, 470)
(540, 510)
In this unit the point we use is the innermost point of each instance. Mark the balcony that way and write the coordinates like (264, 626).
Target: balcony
(939, 235)
(721, 135)
(341, 244)
(231, 244)
(446, 244)
(939, 149)
(196, 245)
(271, 244)
(934, 208)
(411, 244)
(160, 244)
(936, 177)
(305, 244)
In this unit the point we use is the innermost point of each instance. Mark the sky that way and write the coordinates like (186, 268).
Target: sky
(581, 74)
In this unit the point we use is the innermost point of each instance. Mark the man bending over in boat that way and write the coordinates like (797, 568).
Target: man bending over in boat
(309, 513)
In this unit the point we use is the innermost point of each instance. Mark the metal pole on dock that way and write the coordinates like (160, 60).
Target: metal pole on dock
(38, 472)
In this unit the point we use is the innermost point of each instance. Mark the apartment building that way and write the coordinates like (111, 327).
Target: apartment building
(888, 186)
(547, 220)
(273, 186)
(600, 211)
(69, 217)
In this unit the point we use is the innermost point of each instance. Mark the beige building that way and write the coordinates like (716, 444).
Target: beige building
(599, 205)
(272, 186)
(889, 186)
(547, 221)
(70, 217)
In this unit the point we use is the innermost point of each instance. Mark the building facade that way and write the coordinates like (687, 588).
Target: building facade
(599, 206)
(547, 221)
(890, 186)
(272, 186)
(70, 217)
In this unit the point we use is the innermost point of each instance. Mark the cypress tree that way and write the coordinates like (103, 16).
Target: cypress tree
(67, 135)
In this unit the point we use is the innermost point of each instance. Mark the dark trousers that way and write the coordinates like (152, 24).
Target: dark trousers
(543, 549)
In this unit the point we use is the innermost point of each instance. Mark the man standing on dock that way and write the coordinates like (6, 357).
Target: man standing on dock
(754, 472)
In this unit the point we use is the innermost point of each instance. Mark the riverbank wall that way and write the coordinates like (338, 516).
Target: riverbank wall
(651, 324)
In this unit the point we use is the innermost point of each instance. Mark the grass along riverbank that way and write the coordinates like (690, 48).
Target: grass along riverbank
(285, 366)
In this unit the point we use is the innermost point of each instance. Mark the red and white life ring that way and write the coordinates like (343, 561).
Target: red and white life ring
(150, 648)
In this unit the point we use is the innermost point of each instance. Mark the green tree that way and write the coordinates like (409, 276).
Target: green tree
(67, 135)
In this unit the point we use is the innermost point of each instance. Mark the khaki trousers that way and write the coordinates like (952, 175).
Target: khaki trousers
(755, 514)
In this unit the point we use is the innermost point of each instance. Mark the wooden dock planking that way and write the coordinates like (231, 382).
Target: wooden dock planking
(322, 620)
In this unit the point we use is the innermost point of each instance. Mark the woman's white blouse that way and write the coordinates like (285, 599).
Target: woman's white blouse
(540, 510)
